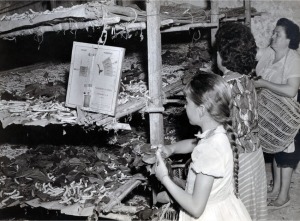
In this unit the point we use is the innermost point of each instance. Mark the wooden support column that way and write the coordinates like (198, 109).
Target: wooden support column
(214, 4)
(53, 4)
(155, 107)
(247, 13)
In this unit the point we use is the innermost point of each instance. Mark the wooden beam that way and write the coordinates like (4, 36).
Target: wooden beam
(214, 18)
(53, 4)
(40, 30)
(248, 13)
(154, 72)
(189, 26)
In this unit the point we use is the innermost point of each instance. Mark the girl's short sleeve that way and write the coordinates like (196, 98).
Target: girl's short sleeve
(209, 162)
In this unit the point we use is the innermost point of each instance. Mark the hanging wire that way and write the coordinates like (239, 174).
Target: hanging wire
(103, 36)
(195, 39)
(36, 38)
(10, 39)
(136, 15)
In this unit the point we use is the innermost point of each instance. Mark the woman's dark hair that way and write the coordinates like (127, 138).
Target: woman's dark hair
(292, 32)
(237, 48)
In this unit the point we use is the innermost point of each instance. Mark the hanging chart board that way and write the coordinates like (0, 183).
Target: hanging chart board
(94, 79)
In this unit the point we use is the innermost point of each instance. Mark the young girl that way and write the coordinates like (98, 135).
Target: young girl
(211, 191)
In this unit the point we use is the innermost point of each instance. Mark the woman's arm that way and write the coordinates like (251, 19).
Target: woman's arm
(290, 89)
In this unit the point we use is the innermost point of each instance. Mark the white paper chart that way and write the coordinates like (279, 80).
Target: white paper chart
(94, 79)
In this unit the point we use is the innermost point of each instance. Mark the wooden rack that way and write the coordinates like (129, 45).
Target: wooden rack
(155, 26)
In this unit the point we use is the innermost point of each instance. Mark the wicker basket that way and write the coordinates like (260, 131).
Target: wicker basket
(279, 121)
(171, 215)
(178, 170)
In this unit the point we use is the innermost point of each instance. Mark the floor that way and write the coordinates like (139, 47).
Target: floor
(293, 211)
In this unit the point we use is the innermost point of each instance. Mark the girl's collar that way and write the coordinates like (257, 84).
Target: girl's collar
(226, 72)
(208, 133)
(230, 75)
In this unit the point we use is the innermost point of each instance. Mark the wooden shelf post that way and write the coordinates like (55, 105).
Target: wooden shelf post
(214, 4)
(154, 72)
(247, 13)
(53, 4)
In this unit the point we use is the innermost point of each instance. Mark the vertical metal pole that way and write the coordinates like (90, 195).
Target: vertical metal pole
(154, 71)
(247, 13)
(214, 4)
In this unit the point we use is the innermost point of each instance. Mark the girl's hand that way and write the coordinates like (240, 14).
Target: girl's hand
(160, 170)
(165, 150)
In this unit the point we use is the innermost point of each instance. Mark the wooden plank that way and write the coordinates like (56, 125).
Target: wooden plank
(28, 20)
(189, 26)
(25, 68)
(154, 71)
(62, 27)
(118, 195)
(11, 7)
(78, 210)
(129, 27)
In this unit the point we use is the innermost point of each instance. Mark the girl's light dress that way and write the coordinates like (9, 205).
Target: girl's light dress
(213, 156)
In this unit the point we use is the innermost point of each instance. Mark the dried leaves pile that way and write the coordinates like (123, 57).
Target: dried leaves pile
(68, 174)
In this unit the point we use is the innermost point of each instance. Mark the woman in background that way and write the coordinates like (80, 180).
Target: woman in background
(279, 67)
(236, 52)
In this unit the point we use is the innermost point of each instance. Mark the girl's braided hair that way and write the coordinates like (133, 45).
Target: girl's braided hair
(214, 93)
